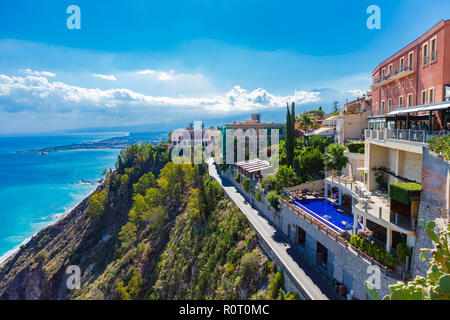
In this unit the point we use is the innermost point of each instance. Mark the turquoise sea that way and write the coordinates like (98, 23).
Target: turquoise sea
(37, 189)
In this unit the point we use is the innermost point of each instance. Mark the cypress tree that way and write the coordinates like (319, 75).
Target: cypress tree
(290, 134)
(293, 127)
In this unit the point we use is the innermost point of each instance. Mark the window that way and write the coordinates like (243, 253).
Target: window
(390, 70)
(411, 60)
(431, 95)
(402, 64)
(382, 106)
(425, 54)
(424, 96)
(433, 49)
(383, 73)
(390, 105)
(410, 100)
(400, 101)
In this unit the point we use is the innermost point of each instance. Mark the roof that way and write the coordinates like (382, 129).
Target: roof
(425, 107)
(253, 124)
(324, 131)
(332, 118)
(253, 165)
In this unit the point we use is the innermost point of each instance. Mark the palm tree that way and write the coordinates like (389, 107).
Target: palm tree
(305, 120)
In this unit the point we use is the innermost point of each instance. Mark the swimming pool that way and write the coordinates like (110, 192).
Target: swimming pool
(326, 212)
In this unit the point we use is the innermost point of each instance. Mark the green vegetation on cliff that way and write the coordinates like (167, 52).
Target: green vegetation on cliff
(152, 230)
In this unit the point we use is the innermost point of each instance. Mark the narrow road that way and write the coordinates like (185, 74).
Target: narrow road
(277, 242)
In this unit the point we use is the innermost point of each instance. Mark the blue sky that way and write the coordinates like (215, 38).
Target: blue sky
(165, 62)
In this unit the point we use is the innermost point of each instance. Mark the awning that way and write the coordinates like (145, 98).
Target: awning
(425, 107)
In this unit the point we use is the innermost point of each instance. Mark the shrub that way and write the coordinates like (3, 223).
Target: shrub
(272, 197)
(258, 196)
(237, 178)
(250, 263)
(403, 251)
(245, 184)
(378, 253)
(441, 145)
(356, 147)
(276, 285)
(41, 256)
(268, 182)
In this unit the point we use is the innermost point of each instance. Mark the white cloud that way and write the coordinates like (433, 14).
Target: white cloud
(37, 73)
(357, 92)
(36, 102)
(43, 94)
(105, 76)
(168, 75)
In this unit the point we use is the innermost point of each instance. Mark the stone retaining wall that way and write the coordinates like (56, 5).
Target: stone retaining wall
(434, 202)
(340, 259)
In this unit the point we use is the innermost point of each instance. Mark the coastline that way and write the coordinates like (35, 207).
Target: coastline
(60, 216)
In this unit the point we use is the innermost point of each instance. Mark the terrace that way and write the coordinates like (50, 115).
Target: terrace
(415, 136)
(372, 206)
(341, 237)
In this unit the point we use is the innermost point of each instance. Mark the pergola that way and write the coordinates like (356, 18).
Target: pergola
(252, 168)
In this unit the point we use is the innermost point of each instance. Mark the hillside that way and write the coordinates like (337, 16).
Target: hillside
(152, 230)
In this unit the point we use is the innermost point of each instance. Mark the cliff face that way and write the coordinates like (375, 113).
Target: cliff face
(142, 237)
(37, 271)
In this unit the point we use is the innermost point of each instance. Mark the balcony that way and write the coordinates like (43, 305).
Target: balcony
(375, 206)
(401, 72)
(420, 136)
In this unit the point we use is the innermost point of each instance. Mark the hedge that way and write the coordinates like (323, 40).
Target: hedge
(401, 191)
(356, 147)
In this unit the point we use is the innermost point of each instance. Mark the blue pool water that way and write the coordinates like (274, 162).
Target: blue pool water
(326, 212)
(36, 189)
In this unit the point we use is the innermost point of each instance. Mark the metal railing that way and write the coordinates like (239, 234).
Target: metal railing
(347, 183)
(392, 74)
(335, 236)
(403, 221)
(421, 136)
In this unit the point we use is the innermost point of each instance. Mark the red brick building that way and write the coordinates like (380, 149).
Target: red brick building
(417, 75)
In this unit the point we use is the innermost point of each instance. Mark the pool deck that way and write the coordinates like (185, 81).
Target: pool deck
(322, 218)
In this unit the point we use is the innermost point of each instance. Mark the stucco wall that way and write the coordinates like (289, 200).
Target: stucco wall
(353, 126)
(409, 166)
(355, 161)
